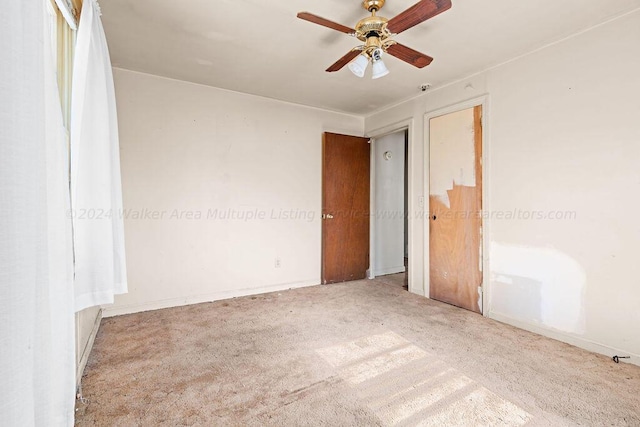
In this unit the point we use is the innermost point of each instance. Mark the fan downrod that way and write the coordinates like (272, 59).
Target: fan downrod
(373, 5)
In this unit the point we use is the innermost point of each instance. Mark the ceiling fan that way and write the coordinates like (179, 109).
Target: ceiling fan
(377, 33)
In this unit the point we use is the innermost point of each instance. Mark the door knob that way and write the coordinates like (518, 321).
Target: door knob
(327, 216)
(433, 217)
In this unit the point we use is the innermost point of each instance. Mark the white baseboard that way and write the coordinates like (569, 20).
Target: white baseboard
(390, 270)
(86, 351)
(568, 338)
(119, 310)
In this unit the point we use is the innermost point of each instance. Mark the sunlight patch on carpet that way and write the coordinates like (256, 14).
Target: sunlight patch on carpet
(405, 385)
(354, 351)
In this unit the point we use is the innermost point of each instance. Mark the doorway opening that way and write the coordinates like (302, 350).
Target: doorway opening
(389, 206)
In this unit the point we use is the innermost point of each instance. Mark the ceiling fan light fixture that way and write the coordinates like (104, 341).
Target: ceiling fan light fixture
(359, 65)
(379, 69)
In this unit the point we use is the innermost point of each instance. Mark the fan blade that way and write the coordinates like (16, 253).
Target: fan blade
(343, 61)
(409, 55)
(416, 14)
(325, 22)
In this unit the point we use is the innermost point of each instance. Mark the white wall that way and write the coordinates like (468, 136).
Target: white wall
(217, 185)
(389, 205)
(563, 130)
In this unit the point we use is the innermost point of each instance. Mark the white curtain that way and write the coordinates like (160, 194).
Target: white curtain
(100, 270)
(37, 362)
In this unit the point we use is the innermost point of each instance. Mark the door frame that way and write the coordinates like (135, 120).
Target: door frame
(483, 100)
(399, 126)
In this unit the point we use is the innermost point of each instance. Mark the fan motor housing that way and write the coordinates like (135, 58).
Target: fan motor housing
(371, 24)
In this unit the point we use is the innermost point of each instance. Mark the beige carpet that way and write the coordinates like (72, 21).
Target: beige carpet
(359, 353)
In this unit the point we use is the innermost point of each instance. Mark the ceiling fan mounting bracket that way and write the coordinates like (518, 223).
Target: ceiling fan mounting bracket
(373, 5)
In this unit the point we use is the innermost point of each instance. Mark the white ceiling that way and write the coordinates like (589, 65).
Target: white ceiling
(260, 47)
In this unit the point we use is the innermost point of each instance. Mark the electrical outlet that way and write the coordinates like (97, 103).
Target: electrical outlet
(277, 262)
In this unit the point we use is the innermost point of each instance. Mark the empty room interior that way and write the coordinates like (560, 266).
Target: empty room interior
(400, 212)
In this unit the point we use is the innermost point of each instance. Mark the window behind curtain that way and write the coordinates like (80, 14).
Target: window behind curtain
(63, 38)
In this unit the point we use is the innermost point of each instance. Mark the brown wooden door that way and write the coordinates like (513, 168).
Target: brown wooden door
(455, 238)
(345, 208)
